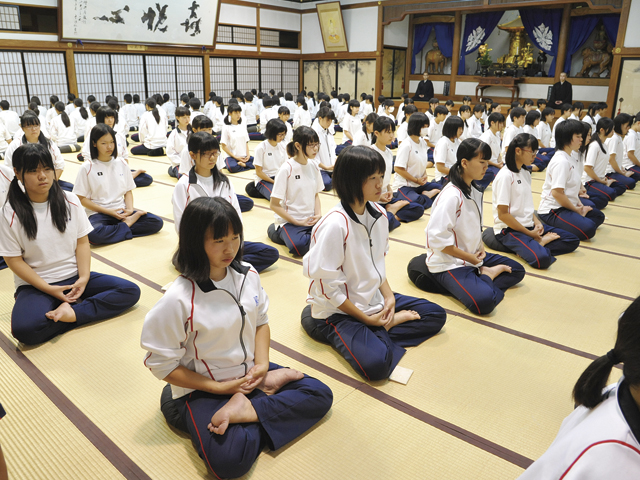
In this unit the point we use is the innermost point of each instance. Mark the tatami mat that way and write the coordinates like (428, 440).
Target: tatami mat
(487, 395)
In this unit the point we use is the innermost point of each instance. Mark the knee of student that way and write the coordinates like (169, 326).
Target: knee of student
(131, 291)
(544, 261)
(27, 333)
(320, 393)
(377, 366)
(484, 305)
(234, 466)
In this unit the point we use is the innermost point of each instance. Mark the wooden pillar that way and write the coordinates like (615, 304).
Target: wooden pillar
(258, 28)
(562, 41)
(617, 60)
(207, 77)
(407, 70)
(71, 71)
(378, 85)
(455, 56)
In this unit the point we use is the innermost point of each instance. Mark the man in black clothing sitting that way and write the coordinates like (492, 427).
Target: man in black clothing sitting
(424, 92)
(561, 92)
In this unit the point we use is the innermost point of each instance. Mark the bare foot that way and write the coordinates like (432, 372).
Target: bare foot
(64, 313)
(394, 207)
(493, 272)
(401, 317)
(431, 193)
(534, 168)
(237, 410)
(138, 172)
(429, 164)
(548, 238)
(133, 218)
(276, 379)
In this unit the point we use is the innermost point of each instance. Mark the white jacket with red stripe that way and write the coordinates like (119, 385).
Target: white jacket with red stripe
(206, 329)
(455, 220)
(347, 261)
(596, 444)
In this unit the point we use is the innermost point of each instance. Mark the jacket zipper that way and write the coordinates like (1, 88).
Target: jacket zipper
(371, 249)
(243, 314)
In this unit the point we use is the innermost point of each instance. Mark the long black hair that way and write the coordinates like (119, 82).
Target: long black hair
(59, 106)
(606, 124)
(371, 118)
(233, 107)
(151, 103)
(304, 136)
(83, 111)
(353, 167)
(97, 132)
(303, 103)
(588, 389)
(522, 140)
(27, 158)
(382, 124)
(469, 149)
(201, 142)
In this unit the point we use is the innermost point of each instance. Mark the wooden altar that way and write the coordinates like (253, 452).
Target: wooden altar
(510, 83)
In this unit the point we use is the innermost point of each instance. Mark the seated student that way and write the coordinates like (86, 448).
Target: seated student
(208, 106)
(514, 222)
(363, 137)
(109, 117)
(464, 113)
(475, 121)
(6, 175)
(235, 141)
(268, 158)
(560, 204)
(589, 117)
(509, 120)
(597, 202)
(387, 109)
(565, 113)
(302, 117)
(10, 118)
(531, 123)
(600, 438)
(130, 113)
(267, 114)
(350, 125)
(401, 133)
(352, 305)
(488, 110)
(43, 239)
(411, 181)
(5, 140)
(284, 115)
(121, 127)
(326, 156)
(153, 132)
(194, 105)
(63, 131)
(90, 123)
(615, 146)
(398, 209)
(631, 162)
(594, 178)
(295, 197)
(79, 117)
(217, 116)
(491, 136)
(404, 100)
(30, 125)
(517, 116)
(170, 109)
(367, 106)
(444, 154)
(434, 132)
(177, 140)
(250, 112)
(456, 259)
(223, 391)
(105, 187)
(576, 110)
(542, 105)
(205, 180)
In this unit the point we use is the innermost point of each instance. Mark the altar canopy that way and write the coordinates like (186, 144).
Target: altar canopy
(543, 28)
(420, 37)
(581, 29)
(478, 27)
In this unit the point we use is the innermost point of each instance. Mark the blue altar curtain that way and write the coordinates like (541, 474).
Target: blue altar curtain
(478, 27)
(581, 28)
(543, 28)
(420, 37)
(444, 36)
(611, 24)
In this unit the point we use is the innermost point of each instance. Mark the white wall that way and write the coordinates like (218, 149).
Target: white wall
(361, 27)
(36, 3)
(279, 20)
(36, 37)
(396, 34)
(535, 91)
(237, 15)
(311, 34)
(632, 37)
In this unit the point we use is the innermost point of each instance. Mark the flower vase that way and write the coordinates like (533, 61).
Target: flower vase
(484, 71)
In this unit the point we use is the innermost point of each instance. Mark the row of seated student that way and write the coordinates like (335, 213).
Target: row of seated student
(361, 177)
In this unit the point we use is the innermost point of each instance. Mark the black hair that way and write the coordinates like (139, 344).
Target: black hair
(326, 112)
(352, 169)
(495, 117)
(346, 97)
(416, 122)
(288, 97)
(97, 132)
(304, 136)
(233, 107)
(586, 135)
(248, 97)
(191, 95)
(604, 123)
(578, 105)
(334, 94)
(440, 110)
(409, 110)
(104, 112)
(128, 98)
(565, 132)
(478, 108)
(183, 112)
(165, 98)
(493, 107)
(451, 126)
(488, 100)
(201, 142)
(466, 98)
(468, 149)
(274, 127)
(36, 100)
(220, 101)
(462, 109)
(70, 97)
(136, 98)
(517, 112)
(302, 102)
(53, 99)
(27, 158)
(184, 98)
(546, 112)
(195, 103)
(284, 110)
(370, 98)
(542, 101)
(113, 104)
(449, 103)
(565, 107)
(388, 103)
(59, 106)
(280, 94)
(381, 99)
(83, 111)
(204, 216)
(151, 103)
(531, 117)
(310, 95)
(201, 123)
(33, 106)
(371, 119)
(522, 140)
(528, 102)
(29, 118)
(589, 387)
(352, 103)
(381, 124)
(620, 120)
(515, 104)
(267, 102)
